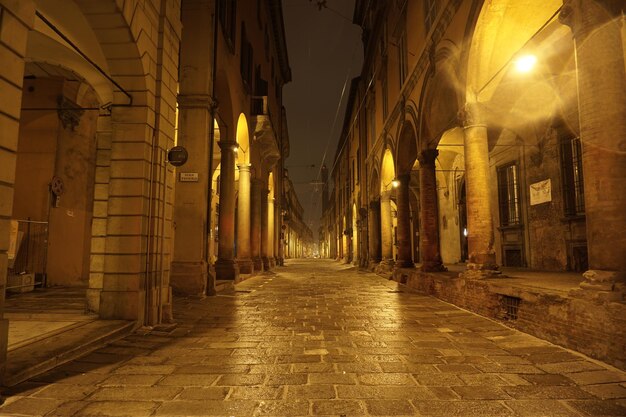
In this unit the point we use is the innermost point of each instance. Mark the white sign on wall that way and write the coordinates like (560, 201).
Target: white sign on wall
(540, 192)
(188, 177)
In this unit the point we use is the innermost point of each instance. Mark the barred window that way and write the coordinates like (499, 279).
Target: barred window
(572, 169)
(508, 195)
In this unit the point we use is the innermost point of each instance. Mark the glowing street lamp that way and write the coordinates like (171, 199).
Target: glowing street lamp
(525, 63)
(395, 183)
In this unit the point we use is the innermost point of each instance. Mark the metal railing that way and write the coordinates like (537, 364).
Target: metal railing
(28, 251)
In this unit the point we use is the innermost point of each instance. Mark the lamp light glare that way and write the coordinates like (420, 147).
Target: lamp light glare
(395, 183)
(525, 63)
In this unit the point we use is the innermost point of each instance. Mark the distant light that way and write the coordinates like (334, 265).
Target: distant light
(235, 149)
(465, 231)
(395, 183)
(525, 63)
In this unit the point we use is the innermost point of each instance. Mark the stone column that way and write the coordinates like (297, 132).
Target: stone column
(386, 225)
(405, 258)
(429, 216)
(373, 227)
(243, 218)
(264, 230)
(271, 231)
(597, 30)
(480, 238)
(255, 228)
(226, 268)
(189, 268)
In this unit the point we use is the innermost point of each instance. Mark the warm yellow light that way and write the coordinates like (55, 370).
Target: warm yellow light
(525, 63)
(395, 183)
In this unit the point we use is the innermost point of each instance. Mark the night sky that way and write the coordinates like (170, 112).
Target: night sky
(325, 50)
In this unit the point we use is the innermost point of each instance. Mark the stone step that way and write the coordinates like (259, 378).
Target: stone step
(35, 358)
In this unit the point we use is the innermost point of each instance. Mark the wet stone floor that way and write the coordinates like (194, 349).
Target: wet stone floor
(318, 338)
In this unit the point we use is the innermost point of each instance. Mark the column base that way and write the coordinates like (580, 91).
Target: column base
(480, 271)
(601, 286)
(401, 263)
(226, 269)
(257, 263)
(433, 266)
(266, 263)
(246, 266)
(189, 278)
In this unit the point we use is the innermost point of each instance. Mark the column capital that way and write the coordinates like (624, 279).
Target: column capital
(197, 101)
(583, 16)
(471, 115)
(244, 167)
(227, 145)
(428, 157)
(385, 195)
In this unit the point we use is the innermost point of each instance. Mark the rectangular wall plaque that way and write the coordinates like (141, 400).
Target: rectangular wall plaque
(540, 192)
(188, 177)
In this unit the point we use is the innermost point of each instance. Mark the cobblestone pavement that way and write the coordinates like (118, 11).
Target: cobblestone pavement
(317, 339)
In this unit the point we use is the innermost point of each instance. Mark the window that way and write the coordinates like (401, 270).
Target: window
(371, 119)
(246, 59)
(402, 56)
(508, 195)
(431, 8)
(385, 91)
(228, 16)
(572, 172)
(402, 49)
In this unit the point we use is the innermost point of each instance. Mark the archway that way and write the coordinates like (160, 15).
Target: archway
(406, 157)
(243, 243)
(387, 183)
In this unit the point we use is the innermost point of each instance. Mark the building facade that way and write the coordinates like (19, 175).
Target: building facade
(93, 97)
(485, 134)
(464, 138)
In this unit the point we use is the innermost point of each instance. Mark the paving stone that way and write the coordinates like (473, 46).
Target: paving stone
(541, 408)
(386, 379)
(338, 407)
(607, 391)
(438, 380)
(597, 377)
(207, 408)
(188, 380)
(547, 379)
(282, 408)
(389, 408)
(334, 378)
(135, 393)
(256, 393)
(462, 408)
(119, 408)
(146, 369)
(29, 406)
(204, 393)
(551, 392)
(313, 367)
(598, 408)
(70, 408)
(384, 392)
(310, 392)
(478, 392)
(130, 380)
(232, 380)
(65, 392)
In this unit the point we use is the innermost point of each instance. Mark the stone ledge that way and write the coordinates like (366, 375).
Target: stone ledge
(594, 326)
